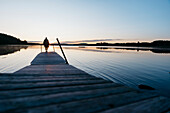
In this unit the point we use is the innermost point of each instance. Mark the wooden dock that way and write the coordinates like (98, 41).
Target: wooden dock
(49, 85)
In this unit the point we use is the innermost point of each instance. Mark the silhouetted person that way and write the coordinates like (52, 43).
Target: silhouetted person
(46, 44)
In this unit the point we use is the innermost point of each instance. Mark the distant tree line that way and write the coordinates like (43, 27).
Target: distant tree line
(161, 43)
(7, 39)
(157, 43)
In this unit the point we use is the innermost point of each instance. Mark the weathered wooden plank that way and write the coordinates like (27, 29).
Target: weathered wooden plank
(61, 66)
(52, 90)
(47, 77)
(47, 70)
(49, 84)
(9, 104)
(153, 105)
(20, 75)
(57, 78)
(30, 68)
(28, 80)
(57, 72)
(34, 69)
(48, 58)
(92, 104)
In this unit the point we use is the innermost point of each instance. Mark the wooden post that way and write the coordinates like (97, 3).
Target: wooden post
(53, 48)
(41, 48)
(62, 51)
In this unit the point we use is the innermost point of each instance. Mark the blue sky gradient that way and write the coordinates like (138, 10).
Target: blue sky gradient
(70, 20)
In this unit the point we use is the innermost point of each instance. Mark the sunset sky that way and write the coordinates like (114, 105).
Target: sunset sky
(86, 20)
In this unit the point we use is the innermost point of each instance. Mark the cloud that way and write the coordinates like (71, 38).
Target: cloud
(94, 40)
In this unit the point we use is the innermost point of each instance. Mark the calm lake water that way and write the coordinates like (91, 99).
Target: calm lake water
(129, 66)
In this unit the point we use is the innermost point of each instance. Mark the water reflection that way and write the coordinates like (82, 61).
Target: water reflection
(129, 66)
(8, 49)
(154, 50)
(121, 49)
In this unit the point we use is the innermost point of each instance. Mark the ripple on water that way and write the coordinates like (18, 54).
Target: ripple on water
(122, 66)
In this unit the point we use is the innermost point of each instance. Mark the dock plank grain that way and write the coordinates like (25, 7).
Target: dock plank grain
(93, 105)
(52, 79)
(34, 101)
(159, 104)
(50, 90)
(50, 69)
(50, 85)
(53, 58)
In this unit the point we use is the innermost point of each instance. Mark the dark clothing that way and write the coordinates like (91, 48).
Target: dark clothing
(46, 44)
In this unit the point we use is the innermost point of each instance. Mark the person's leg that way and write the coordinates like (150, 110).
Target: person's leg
(46, 48)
